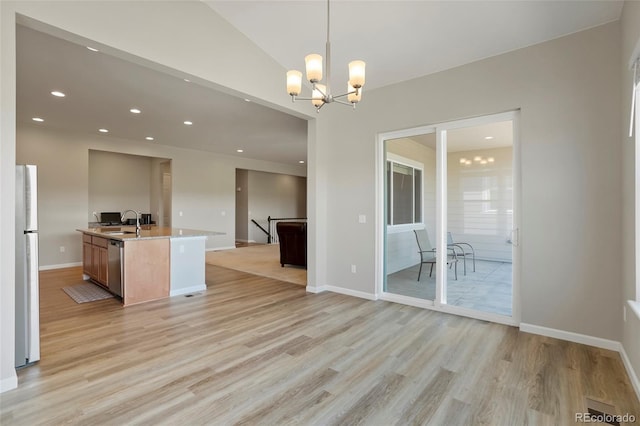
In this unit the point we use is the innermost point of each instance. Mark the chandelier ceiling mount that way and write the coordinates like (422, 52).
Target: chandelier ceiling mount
(321, 93)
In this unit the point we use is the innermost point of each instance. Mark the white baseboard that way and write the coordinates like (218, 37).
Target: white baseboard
(315, 290)
(187, 290)
(9, 383)
(349, 292)
(341, 290)
(220, 248)
(598, 342)
(59, 266)
(633, 377)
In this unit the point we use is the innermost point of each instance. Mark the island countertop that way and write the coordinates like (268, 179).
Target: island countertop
(128, 233)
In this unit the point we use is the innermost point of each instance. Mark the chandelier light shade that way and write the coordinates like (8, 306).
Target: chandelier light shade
(321, 93)
(353, 96)
(318, 95)
(294, 82)
(356, 74)
(313, 64)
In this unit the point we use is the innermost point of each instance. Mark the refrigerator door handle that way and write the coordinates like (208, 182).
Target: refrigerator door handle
(31, 197)
(33, 297)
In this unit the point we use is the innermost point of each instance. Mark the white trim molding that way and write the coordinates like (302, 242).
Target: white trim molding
(221, 248)
(635, 307)
(187, 290)
(59, 266)
(633, 377)
(349, 292)
(569, 336)
(315, 290)
(9, 383)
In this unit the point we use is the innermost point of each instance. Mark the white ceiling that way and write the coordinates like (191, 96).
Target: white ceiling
(399, 40)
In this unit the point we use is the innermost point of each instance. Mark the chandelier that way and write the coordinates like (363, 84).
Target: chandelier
(321, 93)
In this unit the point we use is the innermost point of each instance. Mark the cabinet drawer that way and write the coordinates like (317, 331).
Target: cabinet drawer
(86, 238)
(100, 242)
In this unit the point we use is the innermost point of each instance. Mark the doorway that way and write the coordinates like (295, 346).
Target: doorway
(453, 185)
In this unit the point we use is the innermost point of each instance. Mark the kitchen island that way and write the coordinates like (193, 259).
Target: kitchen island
(159, 263)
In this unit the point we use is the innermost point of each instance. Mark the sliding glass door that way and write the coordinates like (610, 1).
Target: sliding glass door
(410, 194)
(450, 228)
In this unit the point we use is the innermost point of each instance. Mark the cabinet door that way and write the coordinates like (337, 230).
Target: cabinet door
(103, 266)
(95, 262)
(86, 258)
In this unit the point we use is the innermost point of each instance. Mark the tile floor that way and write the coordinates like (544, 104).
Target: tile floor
(488, 289)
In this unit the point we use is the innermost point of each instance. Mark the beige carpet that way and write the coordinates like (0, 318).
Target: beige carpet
(263, 260)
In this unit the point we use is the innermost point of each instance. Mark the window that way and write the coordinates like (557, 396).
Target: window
(404, 192)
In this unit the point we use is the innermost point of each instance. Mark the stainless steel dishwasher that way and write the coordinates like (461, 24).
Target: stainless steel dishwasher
(115, 273)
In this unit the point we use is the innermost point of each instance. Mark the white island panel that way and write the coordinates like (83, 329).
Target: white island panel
(187, 265)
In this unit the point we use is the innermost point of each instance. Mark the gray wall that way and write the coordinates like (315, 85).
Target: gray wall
(631, 329)
(275, 195)
(118, 182)
(203, 185)
(242, 205)
(568, 92)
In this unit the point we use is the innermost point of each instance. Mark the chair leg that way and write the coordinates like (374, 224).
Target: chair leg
(455, 268)
(420, 271)
(474, 261)
(464, 263)
(431, 270)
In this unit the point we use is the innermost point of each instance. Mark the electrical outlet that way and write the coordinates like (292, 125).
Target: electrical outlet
(180, 213)
(223, 213)
(62, 249)
(181, 248)
(353, 269)
(362, 218)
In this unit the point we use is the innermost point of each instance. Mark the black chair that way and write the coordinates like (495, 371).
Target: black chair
(293, 243)
(428, 253)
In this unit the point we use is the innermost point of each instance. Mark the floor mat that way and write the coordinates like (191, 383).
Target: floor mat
(87, 292)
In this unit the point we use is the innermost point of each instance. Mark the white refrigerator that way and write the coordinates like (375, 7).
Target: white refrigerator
(27, 283)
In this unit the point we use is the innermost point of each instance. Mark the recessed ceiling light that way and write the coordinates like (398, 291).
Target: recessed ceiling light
(301, 161)
(58, 94)
(135, 110)
(247, 100)
(149, 138)
(187, 80)
(488, 137)
(103, 130)
(477, 158)
(239, 150)
(38, 119)
(188, 123)
(93, 49)
(491, 159)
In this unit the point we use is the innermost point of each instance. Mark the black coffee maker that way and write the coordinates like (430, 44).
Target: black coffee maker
(145, 219)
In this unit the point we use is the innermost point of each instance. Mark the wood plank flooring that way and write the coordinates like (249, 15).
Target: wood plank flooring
(253, 350)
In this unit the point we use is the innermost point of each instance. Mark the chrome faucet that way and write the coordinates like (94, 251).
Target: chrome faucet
(137, 220)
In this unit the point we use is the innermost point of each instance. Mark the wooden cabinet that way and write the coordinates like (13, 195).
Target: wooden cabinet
(86, 255)
(95, 258)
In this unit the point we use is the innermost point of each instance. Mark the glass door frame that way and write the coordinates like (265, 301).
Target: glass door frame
(439, 303)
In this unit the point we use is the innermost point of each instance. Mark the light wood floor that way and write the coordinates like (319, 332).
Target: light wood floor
(253, 350)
